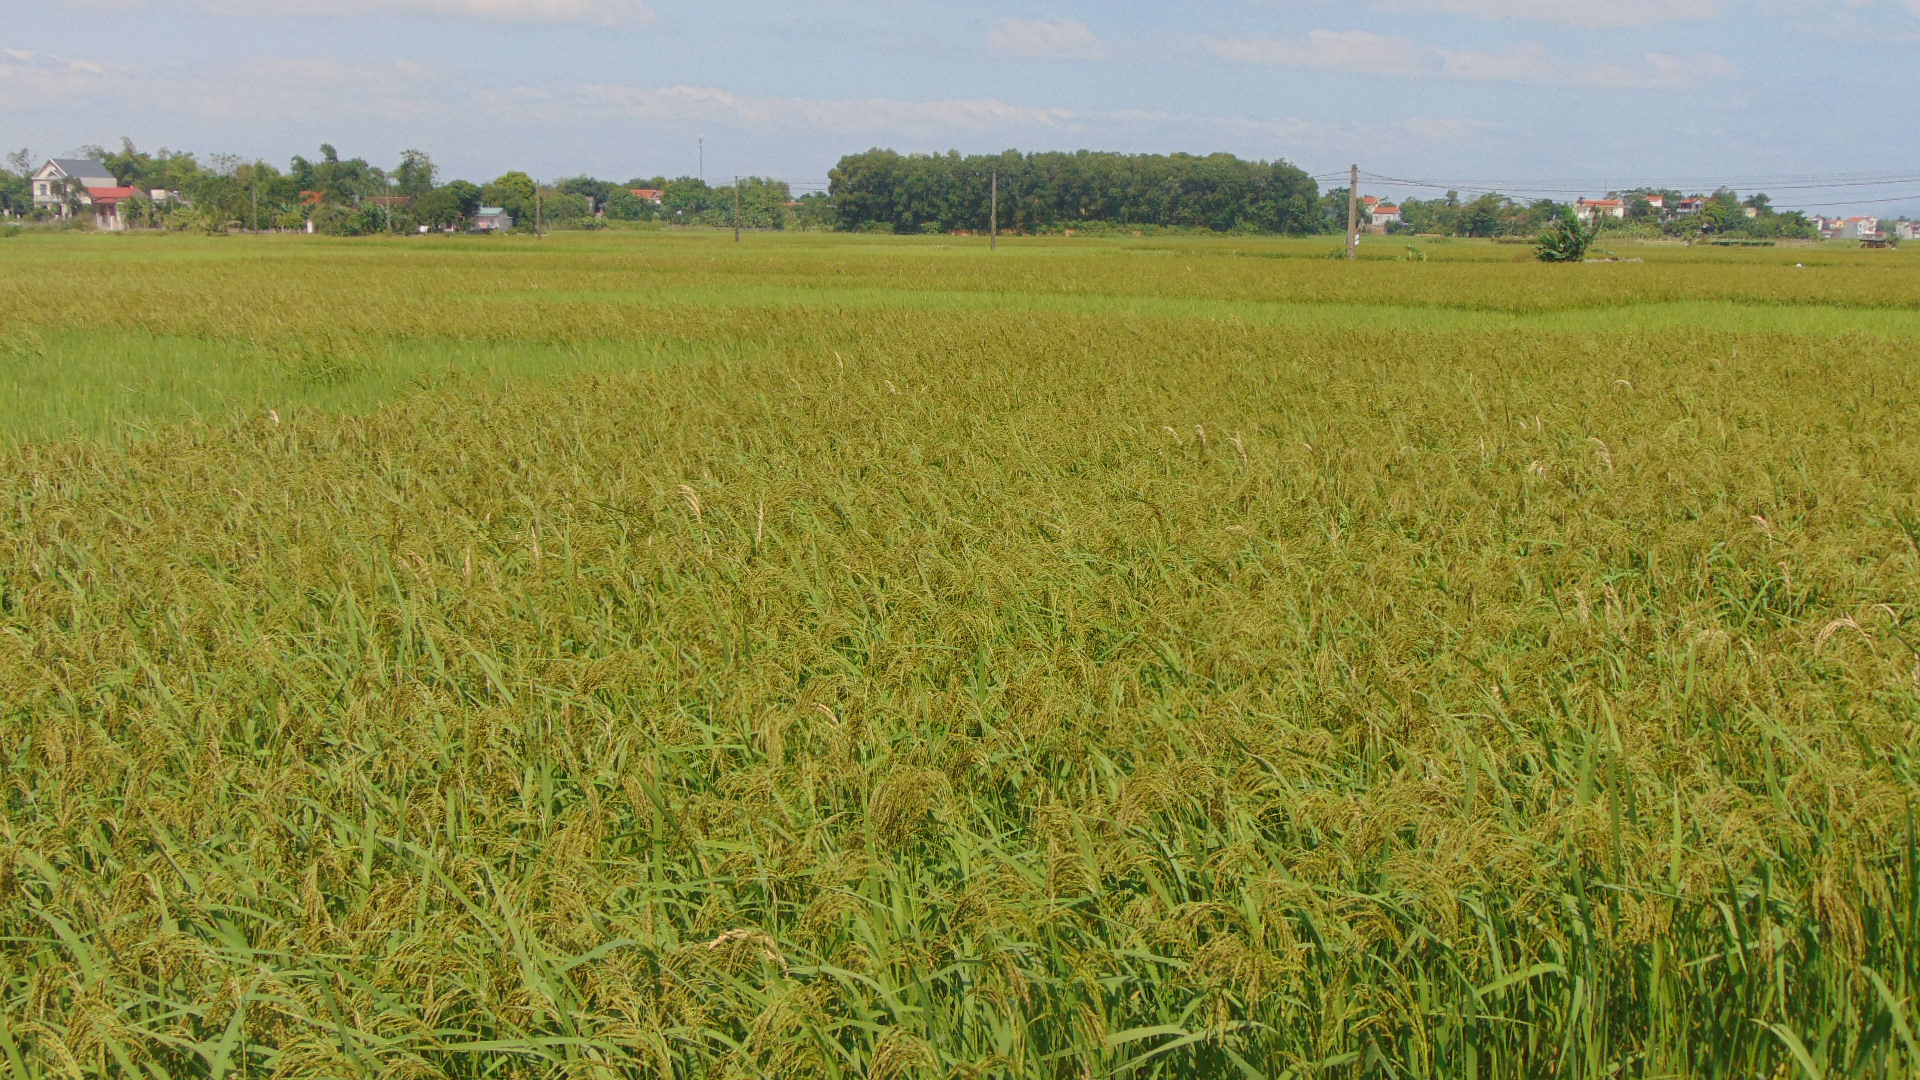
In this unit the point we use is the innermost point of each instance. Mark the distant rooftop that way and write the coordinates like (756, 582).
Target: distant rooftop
(78, 167)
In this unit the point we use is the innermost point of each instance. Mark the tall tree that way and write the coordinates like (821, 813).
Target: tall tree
(415, 174)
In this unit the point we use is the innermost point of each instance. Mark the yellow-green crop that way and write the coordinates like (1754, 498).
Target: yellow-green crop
(835, 657)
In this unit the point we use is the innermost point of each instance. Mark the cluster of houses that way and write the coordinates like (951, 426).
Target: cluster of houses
(64, 187)
(1590, 210)
(1865, 227)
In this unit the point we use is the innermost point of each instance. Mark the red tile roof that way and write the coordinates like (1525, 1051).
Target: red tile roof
(111, 194)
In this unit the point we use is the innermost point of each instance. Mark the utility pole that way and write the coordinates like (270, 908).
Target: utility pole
(703, 159)
(256, 197)
(1353, 215)
(993, 220)
(736, 209)
(539, 209)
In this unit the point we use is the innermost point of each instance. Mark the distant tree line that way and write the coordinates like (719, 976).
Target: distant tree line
(881, 190)
(351, 196)
(1725, 214)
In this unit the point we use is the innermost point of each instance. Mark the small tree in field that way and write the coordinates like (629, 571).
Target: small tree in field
(1566, 240)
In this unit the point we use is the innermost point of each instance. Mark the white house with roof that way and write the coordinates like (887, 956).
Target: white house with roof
(1906, 230)
(492, 219)
(1384, 214)
(1859, 228)
(64, 185)
(1589, 209)
(61, 177)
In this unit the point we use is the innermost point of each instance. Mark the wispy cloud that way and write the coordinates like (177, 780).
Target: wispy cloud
(1053, 39)
(29, 78)
(1365, 52)
(947, 122)
(587, 12)
(838, 115)
(1588, 13)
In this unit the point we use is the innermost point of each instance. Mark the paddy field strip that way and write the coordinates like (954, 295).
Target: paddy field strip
(642, 655)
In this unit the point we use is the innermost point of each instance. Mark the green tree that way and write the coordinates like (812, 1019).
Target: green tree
(881, 189)
(624, 205)
(443, 208)
(16, 187)
(1484, 217)
(415, 175)
(597, 192)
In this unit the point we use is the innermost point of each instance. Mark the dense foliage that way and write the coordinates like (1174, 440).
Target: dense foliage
(1178, 658)
(1565, 239)
(1492, 215)
(904, 193)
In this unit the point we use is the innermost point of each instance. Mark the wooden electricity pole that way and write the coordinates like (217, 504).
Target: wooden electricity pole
(1353, 215)
(736, 209)
(539, 213)
(993, 221)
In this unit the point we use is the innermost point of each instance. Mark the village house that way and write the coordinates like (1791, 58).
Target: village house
(492, 219)
(1590, 209)
(1384, 215)
(648, 195)
(1859, 228)
(64, 185)
(1906, 230)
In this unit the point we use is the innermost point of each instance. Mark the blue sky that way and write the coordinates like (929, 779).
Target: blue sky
(1523, 95)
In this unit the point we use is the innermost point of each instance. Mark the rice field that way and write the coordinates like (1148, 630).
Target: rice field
(641, 655)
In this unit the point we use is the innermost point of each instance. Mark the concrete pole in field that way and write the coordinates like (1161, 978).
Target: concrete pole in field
(1353, 215)
(993, 221)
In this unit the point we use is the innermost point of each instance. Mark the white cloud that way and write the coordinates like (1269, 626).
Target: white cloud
(1590, 13)
(29, 78)
(1057, 39)
(1337, 50)
(590, 12)
(1365, 52)
(845, 116)
(940, 123)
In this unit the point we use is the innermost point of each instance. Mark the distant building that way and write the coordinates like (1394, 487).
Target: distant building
(1692, 204)
(1859, 228)
(1906, 230)
(1385, 214)
(648, 195)
(106, 206)
(1590, 209)
(492, 219)
(52, 182)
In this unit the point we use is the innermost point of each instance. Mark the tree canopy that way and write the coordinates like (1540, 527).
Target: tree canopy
(902, 193)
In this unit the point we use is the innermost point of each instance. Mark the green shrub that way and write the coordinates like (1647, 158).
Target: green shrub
(1565, 240)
